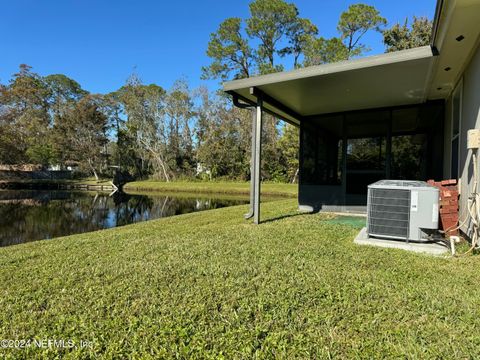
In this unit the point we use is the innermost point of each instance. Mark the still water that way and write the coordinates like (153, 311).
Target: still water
(27, 215)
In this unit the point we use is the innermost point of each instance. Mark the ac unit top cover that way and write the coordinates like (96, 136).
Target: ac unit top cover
(403, 184)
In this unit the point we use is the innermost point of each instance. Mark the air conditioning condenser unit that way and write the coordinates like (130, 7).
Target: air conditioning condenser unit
(402, 209)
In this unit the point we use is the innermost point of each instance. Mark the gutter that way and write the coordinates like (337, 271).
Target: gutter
(436, 23)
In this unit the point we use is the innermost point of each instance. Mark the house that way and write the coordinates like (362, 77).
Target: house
(401, 115)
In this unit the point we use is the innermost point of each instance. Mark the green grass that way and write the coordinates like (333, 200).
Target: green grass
(212, 285)
(212, 187)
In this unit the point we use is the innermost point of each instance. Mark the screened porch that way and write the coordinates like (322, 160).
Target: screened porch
(342, 153)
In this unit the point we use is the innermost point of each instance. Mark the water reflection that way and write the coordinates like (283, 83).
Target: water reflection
(29, 215)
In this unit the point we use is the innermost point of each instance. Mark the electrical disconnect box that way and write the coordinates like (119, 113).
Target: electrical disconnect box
(473, 139)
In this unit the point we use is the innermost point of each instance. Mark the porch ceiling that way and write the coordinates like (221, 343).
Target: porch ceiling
(392, 79)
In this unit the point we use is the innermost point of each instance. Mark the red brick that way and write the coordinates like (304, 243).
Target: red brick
(450, 220)
(450, 194)
(449, 225)
(446, 194)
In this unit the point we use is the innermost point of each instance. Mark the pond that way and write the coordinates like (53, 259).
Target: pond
(28, 215)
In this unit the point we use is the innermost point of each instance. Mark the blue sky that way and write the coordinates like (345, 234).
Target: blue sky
(100, 42)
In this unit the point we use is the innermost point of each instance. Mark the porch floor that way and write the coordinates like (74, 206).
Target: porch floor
(347, 209)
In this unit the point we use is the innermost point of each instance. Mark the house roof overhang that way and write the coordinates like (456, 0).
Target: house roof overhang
(392, 79)
(456, 35)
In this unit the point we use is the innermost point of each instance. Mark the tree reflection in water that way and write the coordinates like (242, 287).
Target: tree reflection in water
(28, 215)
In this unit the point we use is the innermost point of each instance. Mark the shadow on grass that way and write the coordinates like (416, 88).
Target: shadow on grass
(284, 216)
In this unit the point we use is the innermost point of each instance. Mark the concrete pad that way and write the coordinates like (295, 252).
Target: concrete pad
(432, 248)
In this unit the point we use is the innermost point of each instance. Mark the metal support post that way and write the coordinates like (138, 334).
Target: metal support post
(258, 160)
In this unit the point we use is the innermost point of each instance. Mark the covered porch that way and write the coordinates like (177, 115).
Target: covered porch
(360, 121)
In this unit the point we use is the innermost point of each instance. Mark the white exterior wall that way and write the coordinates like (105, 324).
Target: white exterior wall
(470, 119)
(447, 144)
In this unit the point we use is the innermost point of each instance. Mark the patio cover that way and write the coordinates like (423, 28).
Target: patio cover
(392, 79)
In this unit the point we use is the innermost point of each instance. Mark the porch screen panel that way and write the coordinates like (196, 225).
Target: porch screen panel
(321, 161)
(409, 157)
(417, 142)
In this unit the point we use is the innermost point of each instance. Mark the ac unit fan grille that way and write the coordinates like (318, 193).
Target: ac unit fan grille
(389, 213)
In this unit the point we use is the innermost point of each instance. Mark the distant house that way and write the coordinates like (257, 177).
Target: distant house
(401, 115)
(68, 166)
(201, 170)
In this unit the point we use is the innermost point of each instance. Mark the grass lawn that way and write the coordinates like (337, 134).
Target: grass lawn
(210, 187)
(212, 285)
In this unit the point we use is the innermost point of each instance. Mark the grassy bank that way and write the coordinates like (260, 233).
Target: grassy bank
(211, 284)
(212, 187)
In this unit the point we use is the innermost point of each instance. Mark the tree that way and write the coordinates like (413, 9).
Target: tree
(272, 24)
(146, 129)
(355, 23)
(41, 149)
(24, 118)
(300, 34)
(401, 37)
(10, 150)
(230, 52)
(63, 92)
(26, 91)
(80, 134)
(271, 156)
(278, 30)
(111, 106)
(223, 137)
(289, 145)
(179, 112)
(323, 51)
(270, 21)
(128, 154)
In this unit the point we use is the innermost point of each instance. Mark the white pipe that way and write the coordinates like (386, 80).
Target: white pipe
(452, 244)
(473, 207)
